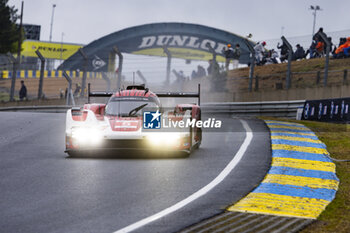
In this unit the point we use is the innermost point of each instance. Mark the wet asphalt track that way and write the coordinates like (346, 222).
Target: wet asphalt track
(43, 191)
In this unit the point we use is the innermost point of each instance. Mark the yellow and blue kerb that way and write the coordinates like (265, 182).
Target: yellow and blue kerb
(301, 181)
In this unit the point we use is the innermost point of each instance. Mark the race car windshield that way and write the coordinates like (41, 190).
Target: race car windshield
(129, 108)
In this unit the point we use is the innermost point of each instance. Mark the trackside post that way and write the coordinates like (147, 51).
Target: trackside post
(83, 82)
(142, 77)
(199, 94)
(120, 66)
(14, 74)
(70, 98)
(290, 54)
(211, 50)
(168, 64)
(42, 68)
(252, 63)
(108, 81)
(328, 49)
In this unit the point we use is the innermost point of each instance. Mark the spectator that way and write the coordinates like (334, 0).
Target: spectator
(23, 91)
(347, 51)
(284, 51)
(61, 93)
(228, 51)
(180, 79)
(312, 49)
(274, 56)
(343, 50)
(236, 55)
(259, 52)
(299, 53)
(77, 90)
(342, 41)
(319, 47)
(194, 74)
(201, 71)
(317, 35)
(268, 59)
(182, 75)
(320, 43)
(65, 93)
(320, 30)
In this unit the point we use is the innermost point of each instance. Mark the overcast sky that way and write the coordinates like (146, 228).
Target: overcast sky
(83, 21)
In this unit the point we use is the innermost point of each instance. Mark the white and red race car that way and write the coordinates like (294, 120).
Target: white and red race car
(121, 124)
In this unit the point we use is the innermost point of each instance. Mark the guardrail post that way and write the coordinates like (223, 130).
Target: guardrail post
(211, 50)
(70, 98)
(144, 80)
(318, 77)
(256, 83)
(328, 49)
(88, 92)
(199, 94)
(345, 77)
(168, 63)
(108, 81)
(290, 54)
(120, 66)
(83, 82)
(252, 63)
(14, 74)
(41, 80)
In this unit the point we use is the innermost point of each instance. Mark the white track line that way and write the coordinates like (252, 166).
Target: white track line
(202, 191)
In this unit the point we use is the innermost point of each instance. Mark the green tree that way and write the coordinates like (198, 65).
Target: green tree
(8, 28)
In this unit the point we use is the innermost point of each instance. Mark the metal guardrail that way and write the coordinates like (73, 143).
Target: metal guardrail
(53, 109)
(264, 108)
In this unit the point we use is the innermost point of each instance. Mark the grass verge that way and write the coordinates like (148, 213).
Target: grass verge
(6, 96)
(336, 217)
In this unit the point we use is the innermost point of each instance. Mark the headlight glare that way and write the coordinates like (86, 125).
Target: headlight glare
(87, 136)
(164, 139)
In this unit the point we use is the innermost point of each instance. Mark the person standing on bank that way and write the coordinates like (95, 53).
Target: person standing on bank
(23, 91)
(228, 52)
(236, 55)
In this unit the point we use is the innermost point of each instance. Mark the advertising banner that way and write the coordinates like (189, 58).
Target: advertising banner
(186, 41)
(49, 49)
(328, 110)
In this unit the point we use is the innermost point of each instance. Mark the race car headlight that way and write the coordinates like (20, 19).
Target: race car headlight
(88, 136)
(164, 139)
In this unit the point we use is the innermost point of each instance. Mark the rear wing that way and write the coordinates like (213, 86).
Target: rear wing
(97, 93)
(159, 94)
(182, 94)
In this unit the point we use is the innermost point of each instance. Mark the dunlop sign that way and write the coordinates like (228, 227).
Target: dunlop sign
(48, 49)
(186, 41)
